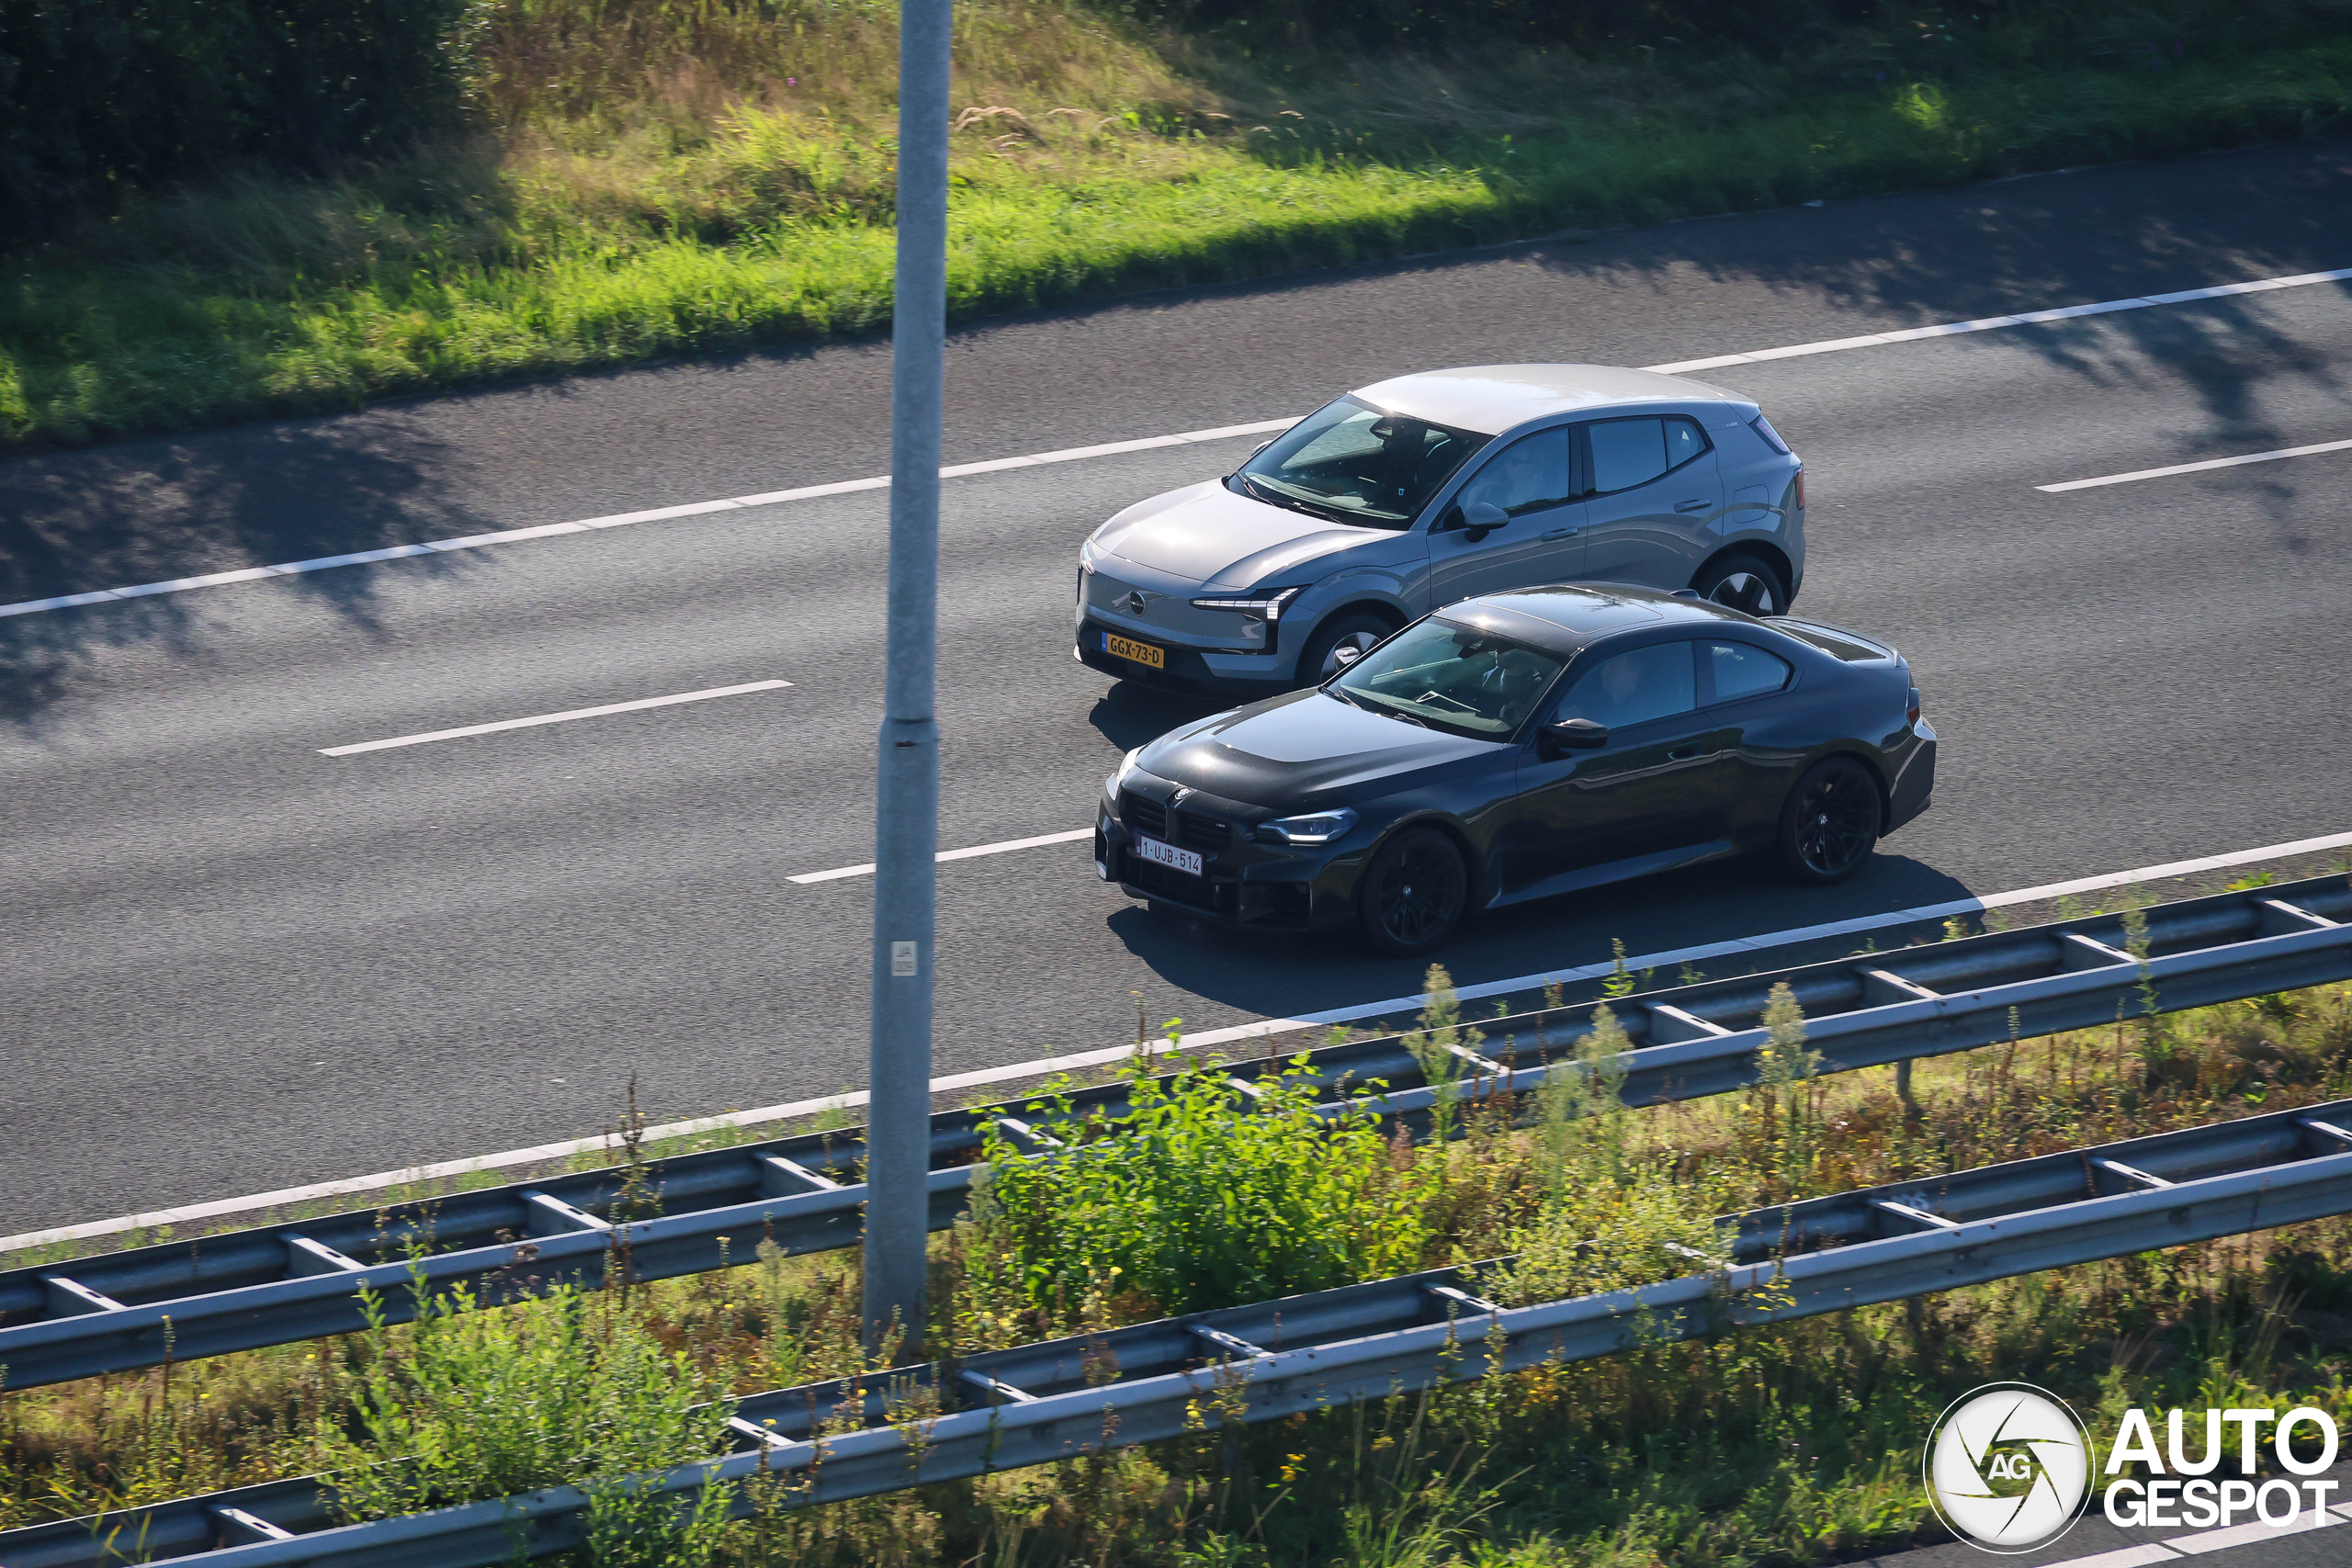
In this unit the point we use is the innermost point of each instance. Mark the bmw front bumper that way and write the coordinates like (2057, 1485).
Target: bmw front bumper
(1243, 884)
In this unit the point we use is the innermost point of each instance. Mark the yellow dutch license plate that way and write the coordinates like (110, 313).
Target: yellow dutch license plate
(1141, 652)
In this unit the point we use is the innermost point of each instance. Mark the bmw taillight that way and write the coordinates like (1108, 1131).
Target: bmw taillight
(1911, 706)
(1800, 490)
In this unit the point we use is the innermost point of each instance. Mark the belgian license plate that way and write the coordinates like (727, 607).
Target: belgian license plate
(1142, 653)
(1152, 850)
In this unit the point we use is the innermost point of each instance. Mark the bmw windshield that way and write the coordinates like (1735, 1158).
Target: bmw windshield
(1455, 678)
(1352, 463)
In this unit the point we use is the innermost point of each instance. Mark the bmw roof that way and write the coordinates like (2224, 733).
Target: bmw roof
(1565, 618)
(1491, 399)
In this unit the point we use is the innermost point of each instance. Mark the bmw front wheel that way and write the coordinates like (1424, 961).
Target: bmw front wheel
(1412, 894)
(1830, 822)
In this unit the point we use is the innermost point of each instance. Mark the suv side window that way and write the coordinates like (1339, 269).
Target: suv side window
(1528, 474)
(1737, 670)
(1630, 452)
(1634, 687)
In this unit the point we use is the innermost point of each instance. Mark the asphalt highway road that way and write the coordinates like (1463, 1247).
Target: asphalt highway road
(233, 962)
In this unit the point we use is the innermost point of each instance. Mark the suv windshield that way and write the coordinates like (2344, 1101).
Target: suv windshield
(1352, 463)
(1449, 677)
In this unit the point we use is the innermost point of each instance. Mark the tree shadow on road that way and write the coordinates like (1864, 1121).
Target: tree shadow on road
(154, 510)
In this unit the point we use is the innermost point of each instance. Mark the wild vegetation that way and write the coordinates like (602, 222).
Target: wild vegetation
(1779, 1444)
(580, 183)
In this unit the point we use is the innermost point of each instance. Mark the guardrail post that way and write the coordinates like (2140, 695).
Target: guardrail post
(897, 1144)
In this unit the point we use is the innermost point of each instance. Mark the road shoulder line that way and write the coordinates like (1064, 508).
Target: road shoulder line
(1078, 1061)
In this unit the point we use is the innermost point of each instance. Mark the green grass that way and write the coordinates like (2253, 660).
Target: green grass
(472, 270)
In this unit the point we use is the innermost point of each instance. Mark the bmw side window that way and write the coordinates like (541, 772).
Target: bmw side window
(1635, 687)
(1737, 670)
(1527, 476)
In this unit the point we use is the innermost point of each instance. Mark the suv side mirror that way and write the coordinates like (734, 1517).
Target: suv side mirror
(1482, 518)
(1564, 735)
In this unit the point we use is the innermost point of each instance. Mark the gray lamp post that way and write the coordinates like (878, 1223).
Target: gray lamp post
(907, 813)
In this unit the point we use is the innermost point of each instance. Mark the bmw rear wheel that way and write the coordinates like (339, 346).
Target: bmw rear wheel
(1831, 822)
(1744, 583)
(1412, 894)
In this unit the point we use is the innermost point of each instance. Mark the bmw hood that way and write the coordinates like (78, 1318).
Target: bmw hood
(1305, 749)
(1208, 535)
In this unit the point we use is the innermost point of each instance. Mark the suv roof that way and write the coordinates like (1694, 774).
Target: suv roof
(1491, 399)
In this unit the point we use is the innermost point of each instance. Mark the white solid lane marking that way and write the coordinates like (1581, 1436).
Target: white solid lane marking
(1078, 1060)
(1077, 454)
(972, 854)
(2123, 1557)
(550, 719)
(2138, 474)
(2248, 1533)
(1989, 323)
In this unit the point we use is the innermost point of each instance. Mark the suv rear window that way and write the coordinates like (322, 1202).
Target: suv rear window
(1851, 647)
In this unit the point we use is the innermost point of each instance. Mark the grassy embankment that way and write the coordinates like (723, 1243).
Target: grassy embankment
(1775, 1445)
(645, 181)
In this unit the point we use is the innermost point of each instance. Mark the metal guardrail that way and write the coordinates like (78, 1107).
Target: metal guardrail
(181, 1301)
(1033, 1403)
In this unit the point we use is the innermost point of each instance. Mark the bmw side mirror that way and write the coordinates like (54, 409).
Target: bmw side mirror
(1565, 734)
(1482, 518)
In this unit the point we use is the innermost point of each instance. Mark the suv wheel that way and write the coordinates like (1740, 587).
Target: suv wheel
(1744, 583)
(1412, 894)
(1830, 823)
(1352, 635)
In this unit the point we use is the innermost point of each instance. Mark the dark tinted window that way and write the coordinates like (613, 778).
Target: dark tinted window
(1526, 476)
(1683, 442)
(1629, 452)
(1634, 687)
(1741, 670)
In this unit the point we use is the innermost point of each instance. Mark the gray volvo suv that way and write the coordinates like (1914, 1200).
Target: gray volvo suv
(1415, 493)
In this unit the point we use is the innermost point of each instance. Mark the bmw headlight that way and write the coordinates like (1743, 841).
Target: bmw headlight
(1117, 781)
(1316, 827)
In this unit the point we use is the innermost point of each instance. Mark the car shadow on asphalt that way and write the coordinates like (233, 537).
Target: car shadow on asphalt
(1129, 715)
(1275, 975)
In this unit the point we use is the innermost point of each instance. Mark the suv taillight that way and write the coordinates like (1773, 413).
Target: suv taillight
(1911, 706)
(1800, 490)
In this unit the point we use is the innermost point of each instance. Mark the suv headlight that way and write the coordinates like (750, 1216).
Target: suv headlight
(1269, 605)
(1117, 781)
(1316, 827)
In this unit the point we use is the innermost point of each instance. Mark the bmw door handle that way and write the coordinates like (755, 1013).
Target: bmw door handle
(1559, 534)
(1697, 505)
(1684, 753)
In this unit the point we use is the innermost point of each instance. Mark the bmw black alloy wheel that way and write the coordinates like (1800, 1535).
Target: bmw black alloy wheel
(1417, 889)
(1837, 820)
